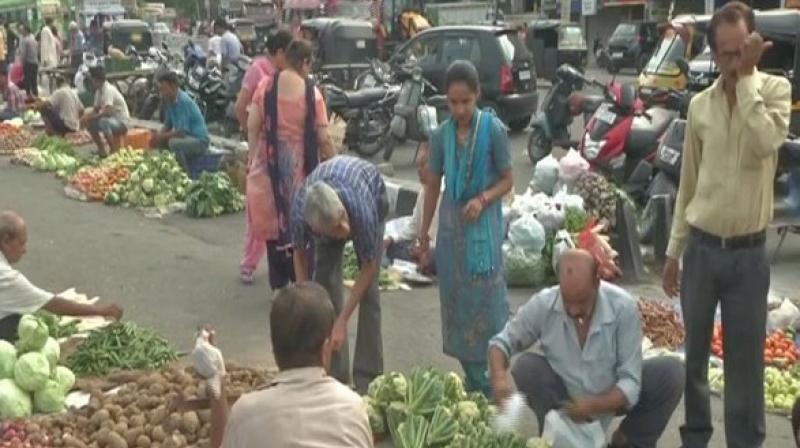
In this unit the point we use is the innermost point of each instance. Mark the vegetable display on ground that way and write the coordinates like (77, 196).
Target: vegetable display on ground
(120, 346)
(779, 348)
(661, 324)
(96, 182)
(213, 195)
(158, 180)
(12, 138)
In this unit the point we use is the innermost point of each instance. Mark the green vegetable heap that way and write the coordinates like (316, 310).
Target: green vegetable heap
(55, 154)
(120, 346)
(30, 377)
(158, 180)
(432, 409)
(213, 195)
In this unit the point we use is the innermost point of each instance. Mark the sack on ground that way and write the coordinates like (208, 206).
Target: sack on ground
(545, 175)
(571, 166)
(561, 432)
(523, 268)
(527, 233)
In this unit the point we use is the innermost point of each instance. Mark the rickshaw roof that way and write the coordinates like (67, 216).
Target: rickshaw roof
(342, 27)
(129, 24)
(235, 22)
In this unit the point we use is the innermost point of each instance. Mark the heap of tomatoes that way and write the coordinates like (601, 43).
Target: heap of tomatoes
(97, 182)
(779, 348)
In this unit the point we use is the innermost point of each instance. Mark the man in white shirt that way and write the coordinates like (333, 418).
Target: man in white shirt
(303, 407)
(110, 116)
(61, 112)
(19, 296)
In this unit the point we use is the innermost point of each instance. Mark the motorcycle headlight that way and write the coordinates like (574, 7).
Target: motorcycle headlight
(592, 148)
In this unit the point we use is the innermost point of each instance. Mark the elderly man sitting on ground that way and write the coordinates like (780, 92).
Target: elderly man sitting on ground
(18, 296)
(591, 341)
(333, 416)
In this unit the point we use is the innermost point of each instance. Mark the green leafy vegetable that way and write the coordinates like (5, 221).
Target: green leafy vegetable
(31, 371)
(52, 351)
(213, 194)
(412, 433)
(425, 391)
(14, 402)
(49, 399)
(65, 378)
(443, 427)
(32, 332)
(8, 357)
(376, 421)
(157, 181)
(396, 413)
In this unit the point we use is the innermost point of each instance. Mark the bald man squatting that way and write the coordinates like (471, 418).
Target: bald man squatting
(19, 296)
(590, 361)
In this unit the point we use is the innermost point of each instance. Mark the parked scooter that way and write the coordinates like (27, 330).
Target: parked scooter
(411, 102)
(562, 103)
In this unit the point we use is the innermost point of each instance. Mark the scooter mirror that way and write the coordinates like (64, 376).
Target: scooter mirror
(683, 66)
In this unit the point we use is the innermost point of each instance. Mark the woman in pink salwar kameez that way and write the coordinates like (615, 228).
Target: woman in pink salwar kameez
(287, 136)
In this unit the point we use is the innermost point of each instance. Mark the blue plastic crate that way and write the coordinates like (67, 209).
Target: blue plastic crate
(207, 162)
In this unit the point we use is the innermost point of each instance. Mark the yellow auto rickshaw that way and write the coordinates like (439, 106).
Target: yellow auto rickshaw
(682, 38)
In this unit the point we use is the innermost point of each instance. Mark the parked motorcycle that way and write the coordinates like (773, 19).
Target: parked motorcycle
(412, 103)
(561, 104)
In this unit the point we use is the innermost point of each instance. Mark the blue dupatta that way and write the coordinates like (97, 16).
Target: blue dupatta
(466, 177)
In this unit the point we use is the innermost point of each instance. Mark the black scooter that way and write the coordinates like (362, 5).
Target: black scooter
(561, 105)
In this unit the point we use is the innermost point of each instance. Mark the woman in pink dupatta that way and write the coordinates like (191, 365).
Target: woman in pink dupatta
(282, 160)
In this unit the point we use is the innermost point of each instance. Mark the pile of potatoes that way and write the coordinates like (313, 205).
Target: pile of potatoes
(143, 413)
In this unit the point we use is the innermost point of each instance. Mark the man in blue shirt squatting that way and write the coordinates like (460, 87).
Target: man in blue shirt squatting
(590, 361)
(184, 132)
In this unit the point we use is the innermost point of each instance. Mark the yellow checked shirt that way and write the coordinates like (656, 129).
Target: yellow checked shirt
(729, 159)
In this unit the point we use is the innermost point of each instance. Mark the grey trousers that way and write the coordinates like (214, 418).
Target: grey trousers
(368, 359)
(662, 386)
(737, 279)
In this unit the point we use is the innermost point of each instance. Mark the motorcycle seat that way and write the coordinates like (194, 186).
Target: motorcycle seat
(592, 102)
(364, 97)
(437, 101)
(645, 131)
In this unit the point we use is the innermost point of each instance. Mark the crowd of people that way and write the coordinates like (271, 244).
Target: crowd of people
(305, 203)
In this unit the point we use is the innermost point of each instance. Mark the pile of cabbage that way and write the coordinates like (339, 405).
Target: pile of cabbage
(431, 409)
(30, 378)
(157, 181)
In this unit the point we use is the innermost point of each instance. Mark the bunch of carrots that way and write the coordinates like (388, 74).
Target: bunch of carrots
(97, 182)
(779, 348)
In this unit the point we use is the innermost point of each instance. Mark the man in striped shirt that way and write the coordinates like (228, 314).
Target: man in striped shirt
(344, 199)
(12, 96)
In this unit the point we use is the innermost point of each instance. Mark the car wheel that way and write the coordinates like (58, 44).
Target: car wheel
(519, 124)
(539, 146)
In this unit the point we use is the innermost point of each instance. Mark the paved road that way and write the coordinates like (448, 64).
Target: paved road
(175, 273)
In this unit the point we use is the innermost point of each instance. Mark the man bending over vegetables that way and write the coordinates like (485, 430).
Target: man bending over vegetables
(303, 407)
(18, 296)
(591, 362)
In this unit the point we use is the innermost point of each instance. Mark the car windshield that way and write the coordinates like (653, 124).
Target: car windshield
(624, 30)
(570, 37)
(670, 50)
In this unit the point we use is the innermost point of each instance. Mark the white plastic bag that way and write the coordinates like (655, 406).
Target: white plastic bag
(561, 432)
(571, 166)
(527, 233)
(545, 175)
(563, 242)
(787, 315)
(567, 200)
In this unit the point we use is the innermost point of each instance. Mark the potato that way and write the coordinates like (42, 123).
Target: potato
(190, 423)
(132, 434)
(173, 422)
(32, 427)
(100, 417)
(143, 441)
(121, 428)
(116, 441)
(157, 389)
(158, 415)
(73, 442)
(158, 434)
(101, 436)
(137, 420)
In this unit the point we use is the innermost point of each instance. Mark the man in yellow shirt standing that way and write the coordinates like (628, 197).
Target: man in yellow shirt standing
(724, 205)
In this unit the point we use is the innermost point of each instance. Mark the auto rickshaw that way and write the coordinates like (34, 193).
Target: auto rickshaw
(131, 33)
(553, 43)
(245, 30)
(682, 38)
(343, 47)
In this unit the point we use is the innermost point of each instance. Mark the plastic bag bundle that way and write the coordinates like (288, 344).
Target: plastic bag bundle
(545, 175)
(527, 233)
(523, 268)
(571, 166)
(562, 243)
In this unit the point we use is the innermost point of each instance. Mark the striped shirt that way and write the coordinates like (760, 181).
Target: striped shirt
(360, 187)
(14, 98)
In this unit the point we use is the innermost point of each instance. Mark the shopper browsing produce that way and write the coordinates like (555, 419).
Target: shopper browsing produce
(470, 151)
(333, 416)
(723, 208)
(184, 132)
(345, 199)
(591, 339)
(18, 296)
(109, 118)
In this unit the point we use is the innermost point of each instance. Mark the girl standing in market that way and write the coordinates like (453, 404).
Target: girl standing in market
(288, 136)
(471, 151)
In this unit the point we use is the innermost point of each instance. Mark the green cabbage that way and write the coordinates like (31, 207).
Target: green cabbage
(33, 334)
(32, 371)
(65, 378)
(49, 399)
(51, 351)
(14, 402)
(376, 421)
(454, 387)
(8, 357)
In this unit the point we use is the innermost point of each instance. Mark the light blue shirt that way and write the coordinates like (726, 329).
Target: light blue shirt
(231, 48)
(611, 355)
